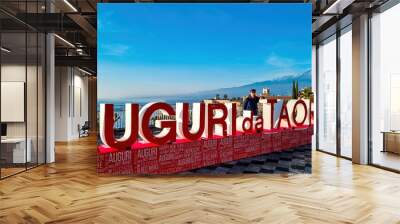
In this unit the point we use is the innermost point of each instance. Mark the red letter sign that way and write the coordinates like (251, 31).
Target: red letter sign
(107, 126)
(212, 121)
(185, 122)
(145, 130)
(295, 112)
(284, 115)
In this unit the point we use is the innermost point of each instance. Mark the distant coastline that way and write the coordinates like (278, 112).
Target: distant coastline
(279, 87)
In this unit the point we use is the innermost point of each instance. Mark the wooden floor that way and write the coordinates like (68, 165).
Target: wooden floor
(387, 159)
(5, 172)
(70, 191)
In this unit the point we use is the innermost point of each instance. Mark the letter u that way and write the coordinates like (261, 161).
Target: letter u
(107, 126)
(182, 120)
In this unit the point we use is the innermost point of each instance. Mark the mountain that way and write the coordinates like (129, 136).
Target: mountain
(280, 86)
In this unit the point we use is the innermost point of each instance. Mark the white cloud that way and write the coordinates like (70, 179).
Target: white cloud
(114, 49)
(280, 62)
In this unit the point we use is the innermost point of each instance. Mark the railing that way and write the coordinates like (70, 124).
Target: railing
(119, 117)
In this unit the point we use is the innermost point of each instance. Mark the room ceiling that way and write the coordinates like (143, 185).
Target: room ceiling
(76, 22)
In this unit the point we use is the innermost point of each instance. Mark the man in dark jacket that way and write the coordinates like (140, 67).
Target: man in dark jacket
(251, 102)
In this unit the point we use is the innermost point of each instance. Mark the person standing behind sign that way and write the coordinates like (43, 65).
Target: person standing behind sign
(251, 102)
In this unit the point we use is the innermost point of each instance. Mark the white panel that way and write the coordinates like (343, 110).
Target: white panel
(77, 102)
(327, 96)
(12, 101)
(346, 76)
(394, 102)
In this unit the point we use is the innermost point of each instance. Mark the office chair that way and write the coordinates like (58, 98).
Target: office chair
(84, 130)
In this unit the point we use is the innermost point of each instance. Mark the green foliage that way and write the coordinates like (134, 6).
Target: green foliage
(295, 89)
(306, 93)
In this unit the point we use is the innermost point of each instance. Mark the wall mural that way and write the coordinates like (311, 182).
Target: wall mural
(204, 88)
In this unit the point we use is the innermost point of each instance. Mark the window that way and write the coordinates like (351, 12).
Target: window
(385, 89)
(346, 92)
(22, 77)
(327, 95)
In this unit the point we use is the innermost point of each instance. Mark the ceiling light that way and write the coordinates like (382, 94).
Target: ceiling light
(79, 51)
(64, 40)
(84, 71)
(70, 5)
(5, 50)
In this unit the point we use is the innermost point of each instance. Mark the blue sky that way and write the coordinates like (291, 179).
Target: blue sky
(168, 49)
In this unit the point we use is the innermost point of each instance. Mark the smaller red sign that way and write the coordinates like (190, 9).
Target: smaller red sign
(117, 163)
(225, 149)
(277, 141)
(210, 151)
(266, 143)
(145, 160)
(183, 155)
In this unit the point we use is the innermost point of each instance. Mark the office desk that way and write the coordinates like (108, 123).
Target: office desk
(13, 150)
(391, 141)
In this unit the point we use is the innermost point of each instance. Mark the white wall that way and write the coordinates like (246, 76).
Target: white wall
(71, 103)
(33, 126)
(12, 73)
(327, 95)
(17, 73)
